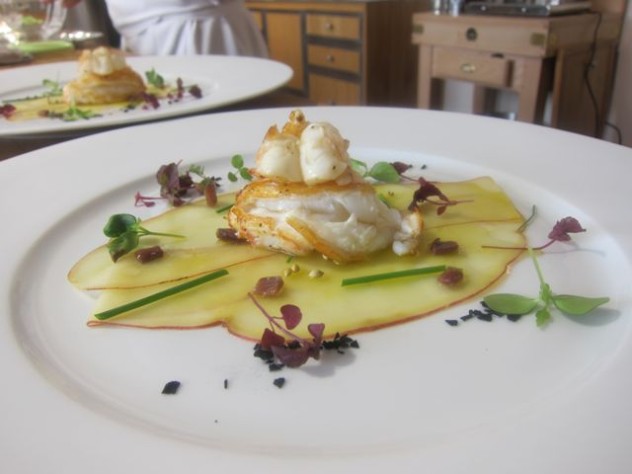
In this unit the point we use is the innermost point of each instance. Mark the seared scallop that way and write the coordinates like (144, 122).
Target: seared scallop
(306, 197)
(104, 78)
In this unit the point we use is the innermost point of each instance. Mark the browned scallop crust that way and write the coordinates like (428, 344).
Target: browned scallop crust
(93, 89)
(262, 231)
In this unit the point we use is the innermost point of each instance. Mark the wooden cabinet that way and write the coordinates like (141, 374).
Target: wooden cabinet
(284, 35)
(569, 58)
(345, 53)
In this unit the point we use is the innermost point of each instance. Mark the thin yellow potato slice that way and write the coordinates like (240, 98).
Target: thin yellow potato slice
(488, 219)
(343, 309)
(197, 253)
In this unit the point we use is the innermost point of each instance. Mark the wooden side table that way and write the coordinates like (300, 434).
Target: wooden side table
(572, 57)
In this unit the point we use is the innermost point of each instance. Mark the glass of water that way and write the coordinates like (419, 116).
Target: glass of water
(30, 20)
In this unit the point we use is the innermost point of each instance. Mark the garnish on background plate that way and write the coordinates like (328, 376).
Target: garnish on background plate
(51, 103)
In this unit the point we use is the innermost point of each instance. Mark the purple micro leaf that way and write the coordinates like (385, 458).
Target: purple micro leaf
(270, 339)
(400, 167)
(291, 315)
(316, 330)
(563, 227)
(313, 349)
(291, 357)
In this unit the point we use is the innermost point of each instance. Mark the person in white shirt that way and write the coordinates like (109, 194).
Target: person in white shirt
(184, 27)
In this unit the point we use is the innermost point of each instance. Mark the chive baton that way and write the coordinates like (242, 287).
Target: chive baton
(390, 275)
(110, 313)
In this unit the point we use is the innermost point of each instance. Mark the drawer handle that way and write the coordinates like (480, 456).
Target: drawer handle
(468, 68)
(330, 58)
(471, 34)
(329, 26)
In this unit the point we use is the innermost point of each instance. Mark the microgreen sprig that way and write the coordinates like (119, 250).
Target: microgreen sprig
(380, 171)
(155, 79)
(74, 114)
(429, 192)
(559, 233)
(237, 162)
(125, 231)
(177, 185)
(509, 303)
(299, 350)
(54, 88)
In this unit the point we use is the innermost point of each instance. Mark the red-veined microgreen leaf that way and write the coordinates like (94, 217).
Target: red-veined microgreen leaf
(577, 305)
(509, 303)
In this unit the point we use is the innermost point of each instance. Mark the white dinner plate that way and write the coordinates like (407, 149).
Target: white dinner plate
(223, 80)
(482, 397)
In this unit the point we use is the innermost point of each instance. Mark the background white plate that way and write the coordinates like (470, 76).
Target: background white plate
(421, 397)
(224, 80)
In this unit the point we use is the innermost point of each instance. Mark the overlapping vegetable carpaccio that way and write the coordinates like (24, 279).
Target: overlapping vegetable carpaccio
(485, 217)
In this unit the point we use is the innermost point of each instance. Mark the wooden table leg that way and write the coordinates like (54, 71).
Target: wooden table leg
(424, 78)
(532, 91)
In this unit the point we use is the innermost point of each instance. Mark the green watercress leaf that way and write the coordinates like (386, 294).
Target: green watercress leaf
(245, 174)
(125, 232)
(119, 224)
(155, 79)
(74, 114)
(237, 161)
(542, 317)
(123, 244)
(54, 88)
(384, 172)
(359, 167)
(509, 303)
(577, 305)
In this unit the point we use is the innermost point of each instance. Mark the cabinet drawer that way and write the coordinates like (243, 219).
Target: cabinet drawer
(325, 90)
(471, 66)
(333, 26)
(509, 36)
(334, 58)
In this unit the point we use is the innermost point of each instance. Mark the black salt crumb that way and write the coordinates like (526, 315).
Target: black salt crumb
(452, 322)
(225, 384)
(171, 388)
(279, 382)
(514, 317)
(467, 317)
(484, 317)
(275, 367)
